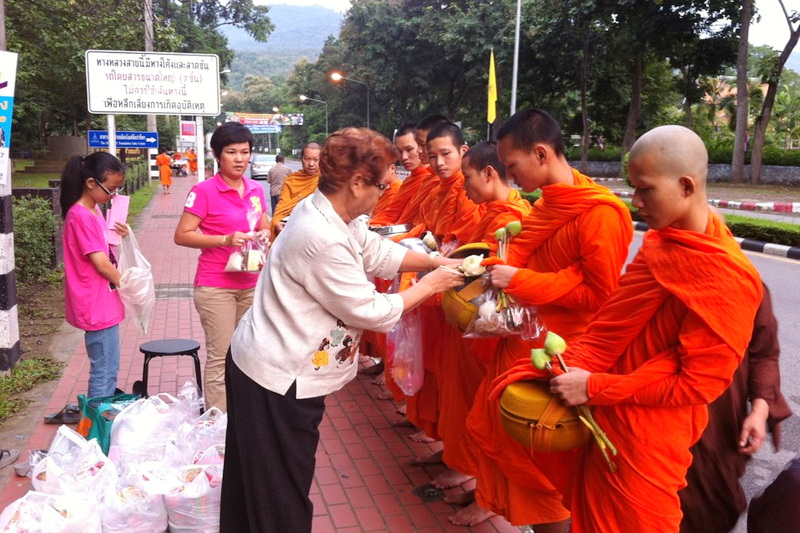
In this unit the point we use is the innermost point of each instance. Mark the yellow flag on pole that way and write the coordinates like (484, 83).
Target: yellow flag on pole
(491, 113)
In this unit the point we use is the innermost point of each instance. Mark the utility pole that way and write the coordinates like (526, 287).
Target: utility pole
(9, 315)
(151, 119)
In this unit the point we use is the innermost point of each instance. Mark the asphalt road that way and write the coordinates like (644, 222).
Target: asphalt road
(782, 277)
(294, 165)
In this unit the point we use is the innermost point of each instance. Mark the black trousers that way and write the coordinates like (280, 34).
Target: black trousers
(270, 452)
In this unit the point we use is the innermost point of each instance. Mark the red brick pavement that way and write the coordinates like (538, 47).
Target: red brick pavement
(363, 480)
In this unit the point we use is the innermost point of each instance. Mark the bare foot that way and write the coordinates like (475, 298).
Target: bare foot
(450, 478)
(460, 498)
(385, 395)
(402, 423)
(420, 436)
(471, 515)
(380, 380)
(402, 410)
(424, 460)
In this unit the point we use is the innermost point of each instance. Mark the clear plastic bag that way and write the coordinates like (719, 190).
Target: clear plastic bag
(249, 258)
(499, 316)
(405, 344)
(52, 513)
(137, 289)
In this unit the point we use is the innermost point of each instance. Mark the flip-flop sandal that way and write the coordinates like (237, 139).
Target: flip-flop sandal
(8, 457)
(70, 414)
(24, 468)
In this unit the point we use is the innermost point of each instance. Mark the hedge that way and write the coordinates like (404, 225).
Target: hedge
(34, 228)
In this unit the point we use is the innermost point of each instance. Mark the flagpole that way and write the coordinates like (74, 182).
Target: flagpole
(516, 60)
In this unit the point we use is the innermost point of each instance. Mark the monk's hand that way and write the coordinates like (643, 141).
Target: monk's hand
(121, 228)
(754, 428)
(571, 386)
(500, 275)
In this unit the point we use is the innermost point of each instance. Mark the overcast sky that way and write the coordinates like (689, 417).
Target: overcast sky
(772, 30)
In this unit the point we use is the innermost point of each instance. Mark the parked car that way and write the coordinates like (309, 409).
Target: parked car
(261, 163)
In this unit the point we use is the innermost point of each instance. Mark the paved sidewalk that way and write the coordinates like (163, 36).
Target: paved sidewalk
(363, 481)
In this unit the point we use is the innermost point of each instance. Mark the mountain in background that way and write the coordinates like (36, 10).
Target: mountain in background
(300, 31)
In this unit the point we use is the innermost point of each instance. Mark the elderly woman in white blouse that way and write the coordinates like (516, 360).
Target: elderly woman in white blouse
(299, 341)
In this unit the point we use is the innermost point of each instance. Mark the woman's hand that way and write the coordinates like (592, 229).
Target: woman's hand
(442, 278)
(238, 238)
(500, 275)
(121, 228)
(263, 237)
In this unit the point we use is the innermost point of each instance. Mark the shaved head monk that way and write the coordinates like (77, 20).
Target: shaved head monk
(664, 345)
(399, 209)
(566, 261)
(297, 186)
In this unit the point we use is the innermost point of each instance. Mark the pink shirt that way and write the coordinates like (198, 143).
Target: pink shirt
(222, 211)
(89, 302)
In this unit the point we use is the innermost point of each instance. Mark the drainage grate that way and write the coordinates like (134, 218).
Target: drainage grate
(176, 291)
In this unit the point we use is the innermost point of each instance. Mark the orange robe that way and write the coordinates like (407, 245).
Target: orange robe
(192, 157)
(385, 200)
(164, 170)
(452, 218)
(297, 186)
(401, 201)
(463, 364)
(426, 180)
(660, 350)
(572, 247)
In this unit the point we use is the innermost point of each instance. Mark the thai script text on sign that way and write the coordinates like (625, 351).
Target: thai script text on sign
(143, 83)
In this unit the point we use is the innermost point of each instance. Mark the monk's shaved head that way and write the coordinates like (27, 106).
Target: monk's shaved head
(676, 151)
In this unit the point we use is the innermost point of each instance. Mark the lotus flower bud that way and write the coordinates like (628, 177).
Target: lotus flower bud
(554, 344)
(514, 228)
(539, 358)
(500, 234)
(471, 266)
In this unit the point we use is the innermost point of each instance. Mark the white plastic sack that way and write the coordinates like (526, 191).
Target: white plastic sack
(194, 436)
(137, 289)
(136, 504)
(194, 505)
(51, 513)
(73, 465)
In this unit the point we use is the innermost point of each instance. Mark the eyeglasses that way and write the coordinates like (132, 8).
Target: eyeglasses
(110, 193)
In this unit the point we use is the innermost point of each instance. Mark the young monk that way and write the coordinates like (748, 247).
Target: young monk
(451, 217)
(408, 154)
(297, 186)
(663, 346)
(566, 261)
(464, 364)
(388, 195)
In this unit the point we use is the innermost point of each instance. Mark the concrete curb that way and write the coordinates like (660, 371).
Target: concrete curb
(762, 207)
(780, 250)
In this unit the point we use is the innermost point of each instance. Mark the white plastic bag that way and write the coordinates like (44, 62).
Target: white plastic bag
(51, 513)
(137, 289)
(194, 504)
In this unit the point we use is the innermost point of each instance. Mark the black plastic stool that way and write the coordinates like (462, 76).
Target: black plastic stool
(166, 347)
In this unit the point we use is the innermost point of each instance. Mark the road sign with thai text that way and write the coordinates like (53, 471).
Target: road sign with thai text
(125, 139)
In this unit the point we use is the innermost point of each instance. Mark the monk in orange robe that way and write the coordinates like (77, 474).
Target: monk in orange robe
(164, 170)
(389, 194)
(664, 345)
(452, 218)
(463, 364)
(297, 186)
(571, 251)
(191, 156)
(408, 154)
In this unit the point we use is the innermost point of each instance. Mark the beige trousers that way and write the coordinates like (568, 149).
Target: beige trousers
(220, 310)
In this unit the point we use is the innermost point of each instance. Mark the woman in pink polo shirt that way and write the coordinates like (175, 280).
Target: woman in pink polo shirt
(219, 208)
(90, 269)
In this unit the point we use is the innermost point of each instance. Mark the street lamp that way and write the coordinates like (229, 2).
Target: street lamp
(337, 76)
(304, 98)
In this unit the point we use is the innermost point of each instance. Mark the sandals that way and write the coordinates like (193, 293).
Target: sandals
(24, 468)
(70, 414)
(8, 457)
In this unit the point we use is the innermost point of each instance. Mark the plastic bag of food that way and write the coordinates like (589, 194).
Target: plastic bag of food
(499, 315)
(404, 342)
(137, 289)
(194, 504)
(51, 513)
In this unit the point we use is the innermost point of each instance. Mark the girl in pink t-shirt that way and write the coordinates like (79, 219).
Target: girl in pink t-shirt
(90, 272)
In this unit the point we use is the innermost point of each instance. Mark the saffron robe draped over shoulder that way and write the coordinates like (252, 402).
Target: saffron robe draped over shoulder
(572, 248)
(164, 170)
(297, 186)
(463, 363)
(660, 350)
(385, 200)
(403, 201)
